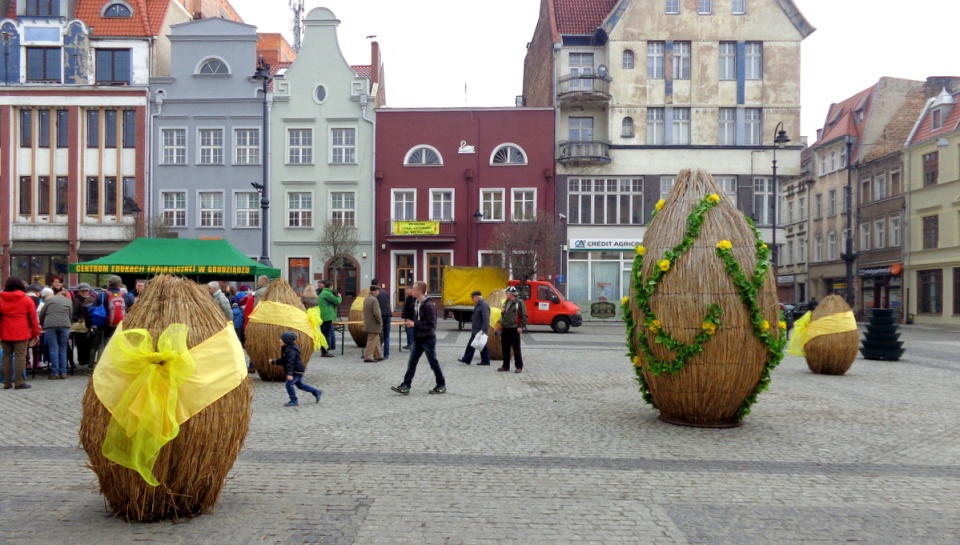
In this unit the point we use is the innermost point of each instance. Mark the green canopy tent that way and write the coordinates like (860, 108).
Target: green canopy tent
(215, 259)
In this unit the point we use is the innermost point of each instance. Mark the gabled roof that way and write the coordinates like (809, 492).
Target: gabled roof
(840, 123)
(146, 21)
(581, 16)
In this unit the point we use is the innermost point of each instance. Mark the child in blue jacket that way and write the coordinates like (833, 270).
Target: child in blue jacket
(293, 365)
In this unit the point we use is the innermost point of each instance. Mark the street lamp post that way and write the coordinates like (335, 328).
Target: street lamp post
(780, 140)
(848, 256)
(477, 217)
(263, 74)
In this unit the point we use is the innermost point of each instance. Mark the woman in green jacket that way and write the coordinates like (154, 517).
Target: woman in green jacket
(328, 302)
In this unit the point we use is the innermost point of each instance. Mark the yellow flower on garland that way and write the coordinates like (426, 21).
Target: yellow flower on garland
(625, 299)
(709, 327)
(765, 325)
(713, 197)
(641, 250)
(724, 245)
(783, 325)
(655, 326)
(636, 361)
(664, 265)
(764, 245)
(660, 204)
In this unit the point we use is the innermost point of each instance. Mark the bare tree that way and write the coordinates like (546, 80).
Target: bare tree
(336, 243)
(152, 227)
(530, 249)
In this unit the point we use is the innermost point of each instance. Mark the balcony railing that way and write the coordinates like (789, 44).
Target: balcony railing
(400, 229)
(583, 89)
(584, 152)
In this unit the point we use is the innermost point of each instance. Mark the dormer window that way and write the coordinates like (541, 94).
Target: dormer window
(940, 109)
(213, 67)
(936, 119)
(119, 10)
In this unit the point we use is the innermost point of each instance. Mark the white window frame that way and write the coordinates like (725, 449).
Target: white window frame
(655, 60)
(831, 203)
(340, 211)
(865, 236)
(682, 54)
(513, 155)
(727, 126)
(490, 200)
(705, 7)
(818, 206)
(802, 208)
(628, 59)
(762, 194)
(175, 150)
(729, 186)
(303, 215)
(728, 60)
(605, 201)
(444, 204)
(753, 60)
(817, 249)
(530, 205)
(246, 217)
(802, 257)
(246, 153)
(672, 7)
(404, 202)
(832, 246)
(788, 255)
(178, 214)
(209, 216)
(753, 126)
(879, 186)
(342, 152)
(626, 127)
(209, 152)
(417, 156)
(655, 126)
(207, 60)
(738, 7)
(666, 186)
(299, 153)
(880, 233)
(681, 126)
(895, 231)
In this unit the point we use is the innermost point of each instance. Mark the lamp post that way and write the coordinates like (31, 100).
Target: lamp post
(780, 140)
(848, 256)
(477, 217)
(263, 74)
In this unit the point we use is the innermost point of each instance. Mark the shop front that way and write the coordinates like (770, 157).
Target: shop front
(598, 275)
(881, 287)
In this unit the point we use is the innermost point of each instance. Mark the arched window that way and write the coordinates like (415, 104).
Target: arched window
(508, 154)
(627, 131)
(421, 156)
(213, 66)
(118, 10)
(628, 60)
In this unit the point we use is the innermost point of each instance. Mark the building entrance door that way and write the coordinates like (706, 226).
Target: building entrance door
(403, 263)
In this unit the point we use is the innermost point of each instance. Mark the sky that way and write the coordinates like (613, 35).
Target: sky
(457, 53)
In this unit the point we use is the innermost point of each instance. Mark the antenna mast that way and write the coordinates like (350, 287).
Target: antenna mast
(297, 7)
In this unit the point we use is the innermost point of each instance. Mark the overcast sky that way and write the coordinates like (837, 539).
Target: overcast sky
(455, 53)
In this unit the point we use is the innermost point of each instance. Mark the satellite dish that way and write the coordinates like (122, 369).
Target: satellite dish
(602, 70)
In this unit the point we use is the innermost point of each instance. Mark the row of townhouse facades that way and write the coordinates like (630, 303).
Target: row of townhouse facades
(873, 216)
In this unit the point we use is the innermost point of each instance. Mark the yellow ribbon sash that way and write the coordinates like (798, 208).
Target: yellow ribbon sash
(805, 330)
(495, 314)
(284, 315)
(151, 389)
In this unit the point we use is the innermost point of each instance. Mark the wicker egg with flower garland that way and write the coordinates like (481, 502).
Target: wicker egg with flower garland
(703, 322)
(168, 408)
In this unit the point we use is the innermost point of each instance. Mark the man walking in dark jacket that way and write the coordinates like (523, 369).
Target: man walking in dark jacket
(481, 322)
(424, 326)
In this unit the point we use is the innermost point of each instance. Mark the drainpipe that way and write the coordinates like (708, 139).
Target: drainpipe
(161, 95)
(364, 100)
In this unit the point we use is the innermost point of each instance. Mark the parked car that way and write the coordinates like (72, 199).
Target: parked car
(797, 310)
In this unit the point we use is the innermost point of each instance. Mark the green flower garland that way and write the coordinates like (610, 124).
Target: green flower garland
(747, 288)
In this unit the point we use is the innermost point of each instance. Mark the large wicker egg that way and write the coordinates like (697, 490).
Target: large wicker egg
(832, 354)
(262, 340)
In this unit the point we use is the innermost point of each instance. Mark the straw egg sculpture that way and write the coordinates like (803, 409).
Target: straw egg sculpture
(830, 339)
(262, 338)
(494, 344)
(356, 315)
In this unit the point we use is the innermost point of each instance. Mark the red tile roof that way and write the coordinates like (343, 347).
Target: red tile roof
(925, 130)
(362, 70)
(147, 19)
(840, 122)
(581, 16)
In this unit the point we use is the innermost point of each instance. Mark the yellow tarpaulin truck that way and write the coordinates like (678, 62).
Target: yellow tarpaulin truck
(545, 305)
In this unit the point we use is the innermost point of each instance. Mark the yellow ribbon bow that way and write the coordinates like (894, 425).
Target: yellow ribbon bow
(289, 316)
(805, 330)
(145, 418)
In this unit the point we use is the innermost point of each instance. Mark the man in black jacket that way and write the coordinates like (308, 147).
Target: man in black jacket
(407, 314)
(424, 324)
(479, 323)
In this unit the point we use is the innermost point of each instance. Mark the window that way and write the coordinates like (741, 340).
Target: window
(344, 146)
(320, 94)
(43, 129)
(802, 251)
(817, 249)
(435, 265)
(299, 209)
(833, 161)
(61, 203)
(300, 144)
(581, 128)
(895, 183)
(43, 8)
(865, 190)
(128, 196)
(654, 60)
(404, 205)
(581, 64)
(832, 203)
(63, 128)
(174, 208)
(423, 156)
(823, 164)
(508, 154)
(110, 191)
(673, 6)
(343, 208)
(727, 130)
(789, 209)
(843, 157)
(43, 64)
(211, 146)
(753, 60)
(705, 7)
(930, 285)
(626, 127)
(681, 60)
(802, 208)
(831, 245)
(666, 185)
(931, 169)
(211, 209)
(491, 204)
(441, 205)
(43, 195)
(895, 240)
(818, 206)
(753, 126)
(654, 126)
(762, 200)
(931, 232)
(628, 60)
(213, 66)
(880, 233)
(247, 209)
(117, 10)
(681, 126)
(110, 129)
(936, 119)
(93, 128)
(729, 186)
(26, 128)
(864, 236)
(739, 7)
(610, 201)
(956, 290)
(174, 146)
(879, 187)
(247, 146)
(728, 60)
(524, 205)
(129, 128)
(113, 66)
(788, 257)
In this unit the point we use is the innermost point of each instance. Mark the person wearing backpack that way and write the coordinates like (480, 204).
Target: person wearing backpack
(106, 315)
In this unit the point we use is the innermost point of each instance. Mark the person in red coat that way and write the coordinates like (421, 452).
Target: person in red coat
(18, 326)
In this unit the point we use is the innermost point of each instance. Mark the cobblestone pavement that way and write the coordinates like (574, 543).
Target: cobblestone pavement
(566, 452)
